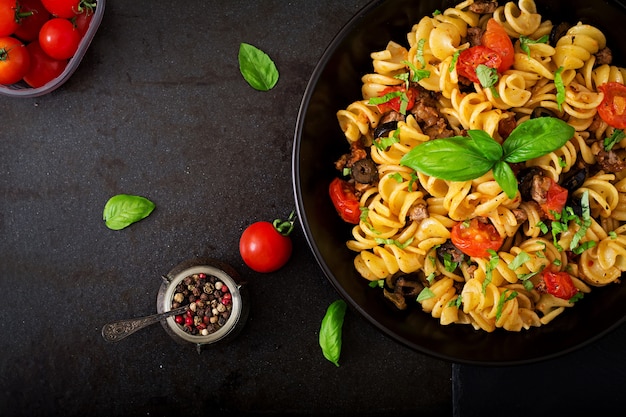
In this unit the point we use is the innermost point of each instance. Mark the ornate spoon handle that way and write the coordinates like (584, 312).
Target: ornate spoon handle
(116, 331)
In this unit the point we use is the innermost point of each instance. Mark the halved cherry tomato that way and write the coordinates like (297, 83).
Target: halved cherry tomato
(496, 39)
(266, 247)
(559, 284)
(345, 201)
(43, 68)
(30, 25)
(59, 38)
(612, 109)
(395, 103)
(556, 199)
(476, 238)
(14, 60)
(472, 57)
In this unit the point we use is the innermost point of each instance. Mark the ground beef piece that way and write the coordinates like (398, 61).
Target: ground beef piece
(539, 189)
(347, 160)
(484, 6)
(520, 215)
(506, 126)
(474, 35)
(448, 248)
(418, 212)
(391, 116)
(604, 57)
(428, 116)
(611, 161)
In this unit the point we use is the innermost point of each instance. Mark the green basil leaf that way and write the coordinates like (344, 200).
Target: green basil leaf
(485, 144)
(560, 88)
(536, 137)
(487, 76)
(506, 179)
(123, 210)
(453, 159)
(257, 68)
(330, 331)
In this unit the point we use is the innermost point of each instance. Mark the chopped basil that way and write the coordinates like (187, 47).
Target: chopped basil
(379, 283)
(491, 265)
(560, 88)
(502, 300)
(419, 55)
(455, 58)
(257, 67)
(425, 294)
(394, 242)
(577, 297)
(488, 78)
(519, 260)
(524, 41)
(617, 136)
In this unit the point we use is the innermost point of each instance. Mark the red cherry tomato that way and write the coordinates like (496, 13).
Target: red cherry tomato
(496, 39)
(59, 38)
(472, 57)
(559, 284)
(395, 103)
(34, 16)
(345, 201)
(14, 60)
(82, 21)
(9, 17)
(556, 199)
(43, 68)
(612, 109)
(476, 238)
(68, 8)
(266, 247)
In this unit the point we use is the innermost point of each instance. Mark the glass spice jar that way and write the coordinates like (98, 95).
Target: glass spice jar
(216, 296)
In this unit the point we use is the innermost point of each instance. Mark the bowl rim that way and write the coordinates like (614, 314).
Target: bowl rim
(309, 91)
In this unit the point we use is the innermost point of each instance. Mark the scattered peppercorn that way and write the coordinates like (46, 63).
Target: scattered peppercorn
(209, 300)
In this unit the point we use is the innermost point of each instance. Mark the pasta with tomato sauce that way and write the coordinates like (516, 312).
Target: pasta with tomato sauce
(487, 228)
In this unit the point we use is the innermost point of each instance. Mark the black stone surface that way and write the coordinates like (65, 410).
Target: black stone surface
(158, 108)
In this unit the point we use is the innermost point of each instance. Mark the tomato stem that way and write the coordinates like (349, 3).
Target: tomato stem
(285, 227)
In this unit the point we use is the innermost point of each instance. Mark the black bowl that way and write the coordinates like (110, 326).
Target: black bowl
(335, 83)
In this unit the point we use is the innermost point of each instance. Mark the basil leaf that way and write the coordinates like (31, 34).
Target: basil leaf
(257, 68)
(485, 144)
(560, 88)
(505, 178)
(123, 210)
(330, 331)
(453, 159)
(535, 138)
(617, 136)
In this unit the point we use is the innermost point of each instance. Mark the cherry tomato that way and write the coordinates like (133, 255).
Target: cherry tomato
(472, 57)
(559, 284)
(9, 19)
(35, 15)
(266, 247)
(14, 60)
(43, 68)
(612, 109)
(476, 238)
(345, 201)
(396, 102)
(82, 21)
(496, 39)
(59, 38)
(556, 199)
(68, 8)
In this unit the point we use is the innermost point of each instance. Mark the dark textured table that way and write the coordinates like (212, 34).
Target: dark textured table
(158, 108)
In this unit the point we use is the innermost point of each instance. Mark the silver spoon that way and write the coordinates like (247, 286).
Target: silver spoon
(117, 330)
